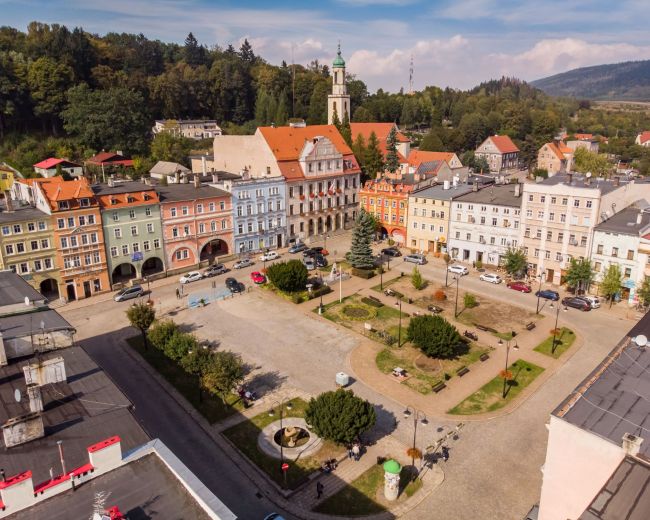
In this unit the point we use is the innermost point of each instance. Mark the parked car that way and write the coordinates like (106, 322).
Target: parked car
(192, 276)
(458, 269)
(258, 277)
(391, 251)
(310, 263)
(269, 255)
(245, 262)
(296, 248)
(594, 301)
(490, 277)
(234, 286)
(576, 303)
(320, 260)
(214, 270)
(128, 293)
(416, 259)
(519, 286)
(548, 294)
(434, 309)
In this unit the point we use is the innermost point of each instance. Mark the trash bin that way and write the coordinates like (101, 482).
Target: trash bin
(342, 379)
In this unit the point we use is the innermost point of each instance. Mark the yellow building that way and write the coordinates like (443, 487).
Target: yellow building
(6, 178)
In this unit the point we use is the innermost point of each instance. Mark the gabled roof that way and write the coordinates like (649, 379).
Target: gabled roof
(287, 142)
(120, 194)
(644, 136)
(381, 131)
(504, 144)
(168, 168)
(110, 158)
(66, 190)
(429, 167)
(417, 157)
(564, 148)
(583, 137)
(52, 162)
(556, 150)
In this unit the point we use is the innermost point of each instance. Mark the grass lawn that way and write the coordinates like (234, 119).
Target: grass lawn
(211, 406)
(357, 498)
(489, 397)
(387, 283)
(563, 341)
(244, 436)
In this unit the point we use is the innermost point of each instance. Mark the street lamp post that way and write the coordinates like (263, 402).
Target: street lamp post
(399, 330)
(505, 372)
(539, 291)
(320, 288)
(281, 404)
(557, 315)
(418, 416)
(381, 273)
(457, 279)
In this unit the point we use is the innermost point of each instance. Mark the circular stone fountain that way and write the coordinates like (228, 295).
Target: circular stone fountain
(296, 439)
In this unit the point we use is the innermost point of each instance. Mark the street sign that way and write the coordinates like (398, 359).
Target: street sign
(137, 256)
(285, 466)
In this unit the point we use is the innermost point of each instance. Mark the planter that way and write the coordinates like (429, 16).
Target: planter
(302, 197)
(312, 195)
(322, 194)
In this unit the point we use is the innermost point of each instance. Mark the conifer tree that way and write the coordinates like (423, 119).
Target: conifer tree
(360, 251)
(345, 129)
(373, 161)
(392, 161)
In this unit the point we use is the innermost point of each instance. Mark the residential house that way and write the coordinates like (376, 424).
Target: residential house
(555, 157)
(485, 222)
(500, 153)
(132, 230)
(189, 128)
(259, 210)
(197, 224)
(583, 136)
(416, 157)
(7, 177)
(617, 240)
(202, 163)
(168, 170)
(50, 167)
(560, 213)
(78, 233)
(107, 163)
(320, 170)
(591, 145)
(597, 455)
(643, 139)
(381, 130)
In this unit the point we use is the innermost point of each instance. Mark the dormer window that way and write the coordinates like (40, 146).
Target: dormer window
(320, 166)
(130, 199)
(146, 196)
(84, 203)
(64, 204)
(113, 202)
(311, 167)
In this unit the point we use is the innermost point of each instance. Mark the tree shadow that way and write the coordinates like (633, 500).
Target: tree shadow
(512, 382)
(264, 383)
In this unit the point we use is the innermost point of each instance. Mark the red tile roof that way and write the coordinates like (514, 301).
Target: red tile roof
(583, 137)
(286, 142)
(417, 157)
(109, 158)
(644, 136)
(381, 131)
(52, 162)
(504, 144)
(55, 189)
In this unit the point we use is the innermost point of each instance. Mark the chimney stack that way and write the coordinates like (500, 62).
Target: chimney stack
(517, 189)
(639, 218)
(197, 180)
(215, 178)
(177, 177)
(204, 166)
(631, 444)
(617, 181)
(475, 186)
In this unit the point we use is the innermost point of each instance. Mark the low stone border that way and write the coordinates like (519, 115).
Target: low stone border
(268, 446)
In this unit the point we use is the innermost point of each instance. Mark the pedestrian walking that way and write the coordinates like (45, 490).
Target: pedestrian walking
(319, 489)
(178, 294)
(350, 454)
(445, 453)
(356, 452)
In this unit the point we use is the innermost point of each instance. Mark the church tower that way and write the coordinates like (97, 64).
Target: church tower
(338, 102)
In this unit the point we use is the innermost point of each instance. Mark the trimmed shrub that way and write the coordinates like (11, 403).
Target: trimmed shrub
(363, 273)
(316, 293)
(435, 336)
(288, 276)
(469, 300)
(373, 302)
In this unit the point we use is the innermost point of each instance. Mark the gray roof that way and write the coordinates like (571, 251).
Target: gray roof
(121, 187)
(439, 192)
(610, 401)
(625, 222)
(86, 409)
(625, 495)
(187, 191)
(580, 181)
(497, 194)
(144, 488)
(13, 289)
(21, 213)
(428, 167)
(21, 325)
(168, 168)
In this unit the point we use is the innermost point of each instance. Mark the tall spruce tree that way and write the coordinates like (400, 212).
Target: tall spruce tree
(360, 250)
(373, 160)
(392, 161)
(345, 129)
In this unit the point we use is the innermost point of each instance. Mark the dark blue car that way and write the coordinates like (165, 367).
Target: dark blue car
(548, 294)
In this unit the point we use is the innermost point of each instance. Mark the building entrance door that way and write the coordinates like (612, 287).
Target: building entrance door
(550, 274)
(87, 292)
(70, 292)
(279, 239)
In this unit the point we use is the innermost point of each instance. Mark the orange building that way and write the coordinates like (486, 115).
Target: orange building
(78, 234)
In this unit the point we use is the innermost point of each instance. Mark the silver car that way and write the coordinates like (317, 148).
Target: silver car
(416, 259)
(240, 264)
(458, 269)
(128, 293)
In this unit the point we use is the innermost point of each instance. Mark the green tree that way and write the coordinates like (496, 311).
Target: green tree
(359, 150)
(161, 332)
(515, 261)
(288, 276)
(196, 362)
(340, 416)
(644, 292)
(360, 255)
(193, 53)
(610, 286)
(179, 345)
(417, 281)
(373, 160)
(434, 336)
(579, 275)
(168, 147)
(392, 160)
(469, 300)
(432, 142)
(585, 161)
(223, 374)
(345, 129)
(48, 81)
(281, 113)
(141, 316)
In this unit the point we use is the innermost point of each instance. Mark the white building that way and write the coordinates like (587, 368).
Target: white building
(500, 153)
(190, 128)
(617, 240)
(643, 139)
(49, 167)
(338, 102)
(485, 222)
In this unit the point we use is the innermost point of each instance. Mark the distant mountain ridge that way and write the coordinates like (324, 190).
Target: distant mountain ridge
(617, 81)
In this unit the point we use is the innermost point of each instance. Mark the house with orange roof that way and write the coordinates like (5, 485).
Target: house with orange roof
(49, 167)
(382, 130)
(555, 157)
(78, 233)
(500, 153)
(417, 157)
(643, 139)
(321, 173)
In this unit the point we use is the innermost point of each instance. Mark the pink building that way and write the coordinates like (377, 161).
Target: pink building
(197, 224)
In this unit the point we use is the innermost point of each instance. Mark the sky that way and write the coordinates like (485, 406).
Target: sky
(455, 43)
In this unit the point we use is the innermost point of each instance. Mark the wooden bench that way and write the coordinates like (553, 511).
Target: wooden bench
(462, 371)
(439, 387)
(377, 300)
(481, 327)
(484, 357)
(530, 326)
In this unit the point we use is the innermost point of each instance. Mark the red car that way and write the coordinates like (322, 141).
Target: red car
(519, 286)
(258, 277)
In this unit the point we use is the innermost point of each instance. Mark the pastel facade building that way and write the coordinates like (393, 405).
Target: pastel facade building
(189, 128)
(500, 153)
(387, 199)
(555, 157)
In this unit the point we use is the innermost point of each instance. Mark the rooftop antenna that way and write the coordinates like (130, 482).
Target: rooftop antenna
(411, 76)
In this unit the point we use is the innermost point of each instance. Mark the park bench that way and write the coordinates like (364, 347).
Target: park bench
(530, 326)
(439, 387)
(481, 327)
(484, 357)
(462, 371)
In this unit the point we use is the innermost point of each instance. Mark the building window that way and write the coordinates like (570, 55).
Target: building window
(599, 249)
(615, 252)
(64, 242)
(549, 235)
(134, 231)
(224, 224)
(147, 211)
(24, 267)
(156, 243)
(125, 249)
(576, 203)
(9, 249)
(38, 265)
(530, 198)
(199, 208)
(565, 201)
(540, 215)
(45, 243)
(172, 211)
(583, 240)
(201, 227)
(630, 254)
(560, 237)
(185, 210)
(562, 217)
(131, 213)
(136, 247)
(34, 245)
(542, 198)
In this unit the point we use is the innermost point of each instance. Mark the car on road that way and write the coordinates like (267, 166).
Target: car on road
(269, 255)
(258, 277)
(416, 259)
(490, 277)
(519, 286)
(320, 260)
(244, 262)
(128, 293)
(296, 248)
(233, 285)
(548, 295)
(391, 251)
(192, 276)
(434, 309)
(214, 270)
(458, 269)
(310, 263)
(576, 303)
(594, 301)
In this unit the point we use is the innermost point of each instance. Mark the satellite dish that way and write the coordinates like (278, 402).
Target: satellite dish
(17, 395)
(588, 174)
(27, 301)
(641, 340)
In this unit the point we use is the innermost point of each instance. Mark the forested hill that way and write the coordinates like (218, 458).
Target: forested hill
(617, 81)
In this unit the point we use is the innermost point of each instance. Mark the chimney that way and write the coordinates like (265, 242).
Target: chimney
(475, 186)
(570, 178)
(204, 165)
(631, 444)
(177, 177)
(111, 182)
(517, 189)
(197, 180)
(445, 185)
(215, 178)
(639, 218)
(8, 202)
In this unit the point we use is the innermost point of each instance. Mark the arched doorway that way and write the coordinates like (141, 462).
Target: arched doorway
(123, 273)
(310, 227)
(383, 232)
(320, 225)
(49, 288)
(213, 248)
(151, 266)
(328, 223)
